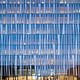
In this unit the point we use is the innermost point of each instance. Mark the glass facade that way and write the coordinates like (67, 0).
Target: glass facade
(40, 38)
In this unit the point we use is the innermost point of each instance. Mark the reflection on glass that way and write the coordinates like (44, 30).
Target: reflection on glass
(39, 40)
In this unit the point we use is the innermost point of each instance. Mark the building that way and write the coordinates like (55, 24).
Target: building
(74, 71)
(39, 37)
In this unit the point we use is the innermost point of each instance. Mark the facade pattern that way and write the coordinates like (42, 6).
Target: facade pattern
(41, 36)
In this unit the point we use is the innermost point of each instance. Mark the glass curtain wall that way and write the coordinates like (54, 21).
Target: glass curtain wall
(40, 38)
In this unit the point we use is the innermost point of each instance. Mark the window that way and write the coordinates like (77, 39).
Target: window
(13, 28)
(4, 28)
(20, 28)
